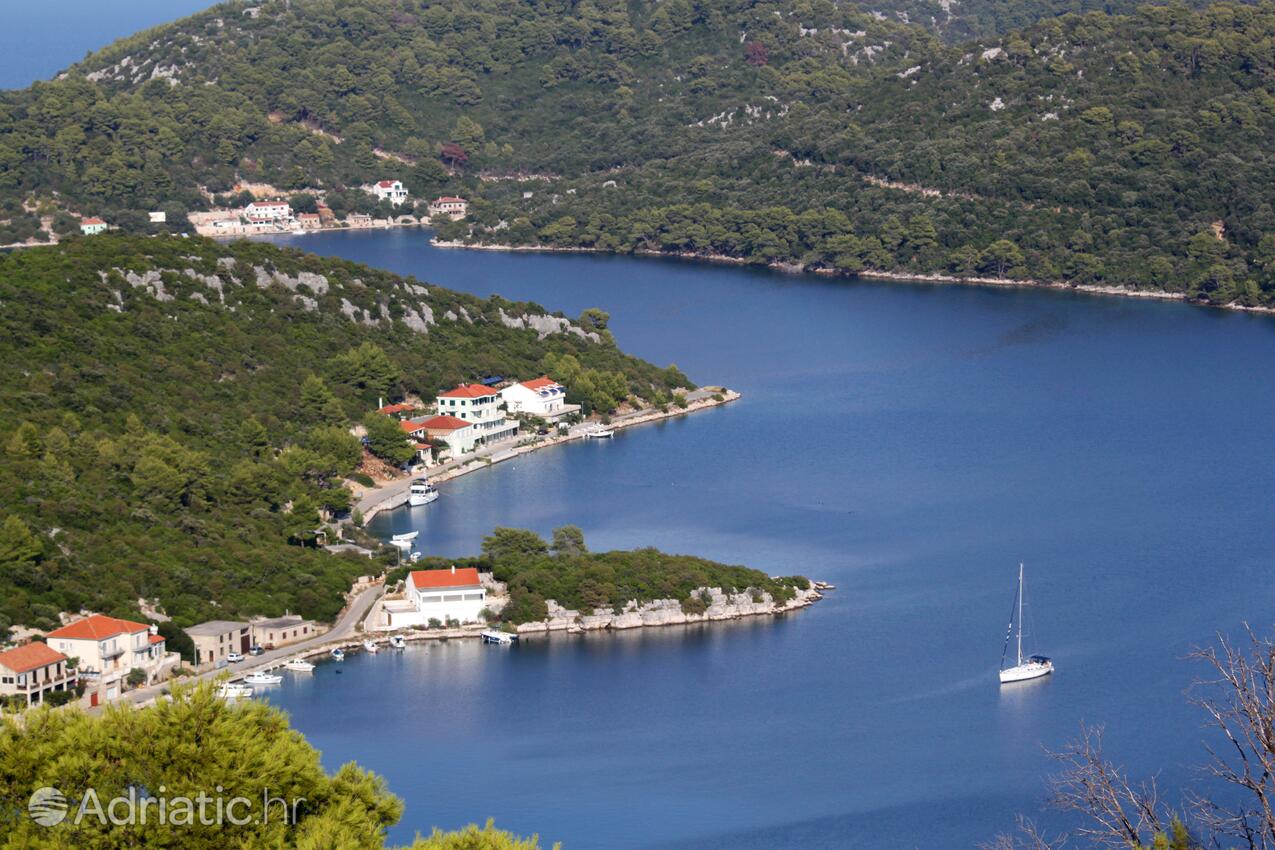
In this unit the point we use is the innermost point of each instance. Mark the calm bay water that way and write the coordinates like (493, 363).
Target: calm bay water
(911, 444)
(45, 37)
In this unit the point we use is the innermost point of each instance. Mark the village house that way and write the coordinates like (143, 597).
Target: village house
(259, 211)
(480, 406)
(33, 671)
(440, 595)
(109, 648)
(309, 221)
(418, 436)
(389, 190)
(452, 207)
(273, 632)
(459, 435)
(92, 226)
(216, 639)
(358, 220)
(398, 409)
(543, 397)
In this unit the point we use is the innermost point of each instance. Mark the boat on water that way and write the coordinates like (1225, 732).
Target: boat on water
(421, 492)
(493, 636)
(404, 541)
(299, 665)
(1031, 667)
(371, 646)
(338, 654)
(262, 677)
(233, 691)
(397, 642)
(600, 434)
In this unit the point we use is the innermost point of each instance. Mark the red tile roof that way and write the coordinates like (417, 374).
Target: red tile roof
(450, 200)
(445, 423)
(539, 383)
(97, 627)
(468, 391)
(396, 408)
(154, 639)
(30, 657)
(466, 577)
(410, 427)
(93, 220)
(386, 184)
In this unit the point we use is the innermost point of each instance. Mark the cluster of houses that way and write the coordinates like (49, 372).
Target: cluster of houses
(271, 216)
(472, 415)
(100, 653)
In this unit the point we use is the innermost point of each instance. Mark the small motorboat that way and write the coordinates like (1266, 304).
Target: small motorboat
(338, 654)
(262, 677)
(421, 492)
(600, 434)
(397, 642)
(493, 636)
(299, 665)
(370, 646)
(233, 691)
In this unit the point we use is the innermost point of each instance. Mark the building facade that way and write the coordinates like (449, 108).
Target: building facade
(216, 639)
(441, 595)
(92, 226)
(452, 207)
(390, 190)
(107, 649)
(543, 397)
(274, 632)
(268, 211)
(479, 406)
(34, 671)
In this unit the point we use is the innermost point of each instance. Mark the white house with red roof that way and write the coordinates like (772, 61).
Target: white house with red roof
(389, 190)
(33, 671)
(442, 595)
(481, 407)
(92, 226)
(108, 648)
(263, 211)
(450, 206)
(543, 397)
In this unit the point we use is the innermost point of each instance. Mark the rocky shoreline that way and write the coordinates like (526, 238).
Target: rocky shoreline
(669, 612)
(901, 277)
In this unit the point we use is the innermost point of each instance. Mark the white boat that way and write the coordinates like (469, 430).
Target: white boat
(299, 665)
(1032, 667)
(261, 677)
(600, 434)
(421, 493)
(338, 654)
(404, 541)
(370, 646)
(397, 642)
(231, 691)
(493, 636)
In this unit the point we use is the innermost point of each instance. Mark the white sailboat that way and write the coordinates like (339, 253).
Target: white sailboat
(1034, 666)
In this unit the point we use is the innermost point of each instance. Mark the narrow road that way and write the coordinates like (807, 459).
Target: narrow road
(342, 630)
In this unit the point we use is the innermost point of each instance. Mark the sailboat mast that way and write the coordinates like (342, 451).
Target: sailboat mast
(1020, 612)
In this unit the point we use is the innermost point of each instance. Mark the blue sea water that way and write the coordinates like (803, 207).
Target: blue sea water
(909, 443)
(39, 39)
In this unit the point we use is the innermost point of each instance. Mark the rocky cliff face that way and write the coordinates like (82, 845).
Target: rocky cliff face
(668, 612)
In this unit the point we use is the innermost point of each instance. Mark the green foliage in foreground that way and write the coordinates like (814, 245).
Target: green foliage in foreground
(586, 581)
(174, 416)
(196, 743)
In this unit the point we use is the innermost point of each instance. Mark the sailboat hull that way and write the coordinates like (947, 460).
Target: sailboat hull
(1023, 672)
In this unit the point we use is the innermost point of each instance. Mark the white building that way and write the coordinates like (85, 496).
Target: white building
(268, 210)
(108, 649)
(479, 406)
(34, 671)
(389, 190)
(543, 397)
(442, 595)
(452, 207)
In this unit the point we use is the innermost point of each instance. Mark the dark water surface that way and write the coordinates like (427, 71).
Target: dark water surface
(911, 444)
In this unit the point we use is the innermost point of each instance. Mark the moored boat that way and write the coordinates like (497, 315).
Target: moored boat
(600, 433)
(421, 492)
(233, 690)
(338, 654)
(397, 642)
(261, 677)
(493, 636)
(299, 665)
(1032, 667)
(371, 646)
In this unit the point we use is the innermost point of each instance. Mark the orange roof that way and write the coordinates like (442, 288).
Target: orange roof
(409, 426)
(444, 423)
(396, 408)
(539, 383)
(467, 577)
(468, 391)
(386, 184)
(450, 199)
(97, 627)
(30, 657)
(92, 220)
(154, 639)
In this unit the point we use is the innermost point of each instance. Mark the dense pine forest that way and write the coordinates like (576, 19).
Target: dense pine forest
(175, 415)
(1124, 150)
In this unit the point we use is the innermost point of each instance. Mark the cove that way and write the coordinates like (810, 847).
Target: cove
(911, 444)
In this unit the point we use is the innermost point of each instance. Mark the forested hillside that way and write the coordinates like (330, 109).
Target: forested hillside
(174, 415)
(1128, 151)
